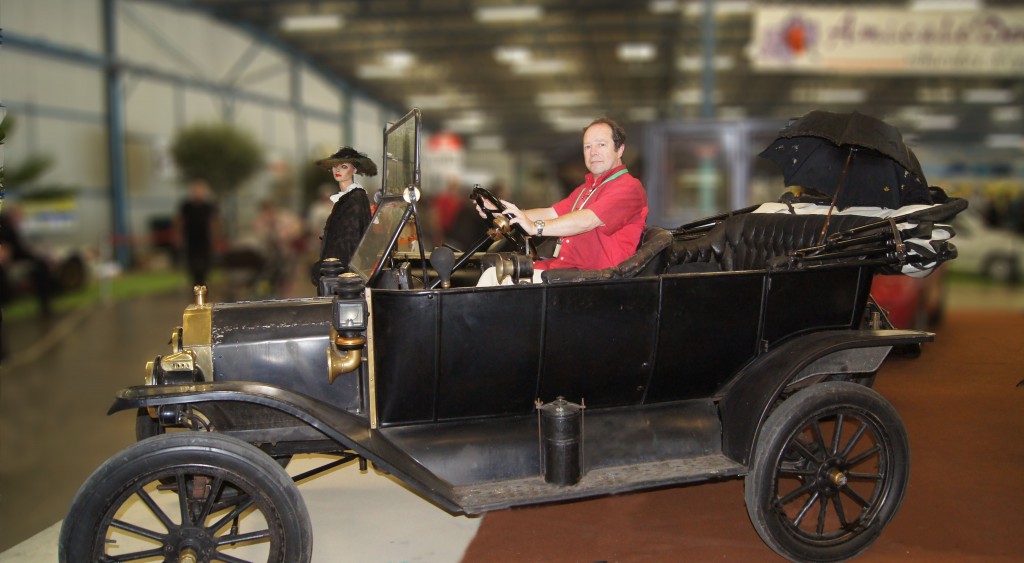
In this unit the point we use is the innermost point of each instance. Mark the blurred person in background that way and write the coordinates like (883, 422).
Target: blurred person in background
(317, 215)
(199, 230)
(467, 226)
(350, 213)
(445, 209)
(278, 235)
(13, 250)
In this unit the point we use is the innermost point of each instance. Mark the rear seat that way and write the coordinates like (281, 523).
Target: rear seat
(751, 240)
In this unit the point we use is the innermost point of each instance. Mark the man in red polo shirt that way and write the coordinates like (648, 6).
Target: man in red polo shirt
(600, 223)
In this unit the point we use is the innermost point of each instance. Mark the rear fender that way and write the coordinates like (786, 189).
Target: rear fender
(351, 432)
(750, 397)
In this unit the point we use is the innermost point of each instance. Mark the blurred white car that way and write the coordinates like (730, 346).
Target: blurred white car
(994, 253)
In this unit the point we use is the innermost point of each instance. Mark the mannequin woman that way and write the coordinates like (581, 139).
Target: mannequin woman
(351, 212)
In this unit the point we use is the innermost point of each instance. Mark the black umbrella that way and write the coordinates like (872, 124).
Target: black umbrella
(855, 159)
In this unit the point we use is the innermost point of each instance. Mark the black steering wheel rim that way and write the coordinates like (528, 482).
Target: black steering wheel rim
(500, 220)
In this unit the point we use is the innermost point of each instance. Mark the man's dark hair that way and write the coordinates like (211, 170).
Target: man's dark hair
(618, 133)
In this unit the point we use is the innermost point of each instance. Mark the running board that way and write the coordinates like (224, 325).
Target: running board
(476, 499)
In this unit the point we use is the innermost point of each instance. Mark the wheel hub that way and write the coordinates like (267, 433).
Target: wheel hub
(189, 544)
(831, 477)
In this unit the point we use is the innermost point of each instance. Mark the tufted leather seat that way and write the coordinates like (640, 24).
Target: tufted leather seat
(648, 260)
(750, 241)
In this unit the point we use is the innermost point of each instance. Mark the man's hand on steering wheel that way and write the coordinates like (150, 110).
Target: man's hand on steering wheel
(517, 216)
(509, 221)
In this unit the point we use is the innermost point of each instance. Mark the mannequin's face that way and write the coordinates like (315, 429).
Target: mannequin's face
(343, 172)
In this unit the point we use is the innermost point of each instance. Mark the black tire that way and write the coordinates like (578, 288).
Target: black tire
(1002, 269)
(817, 495)
(147, 427)
(237, 501)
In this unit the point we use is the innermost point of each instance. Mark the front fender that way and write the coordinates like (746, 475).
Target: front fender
(350, 431)
(749, 399)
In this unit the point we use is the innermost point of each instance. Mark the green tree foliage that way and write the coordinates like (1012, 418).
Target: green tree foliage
(220, 153)
(16, 175)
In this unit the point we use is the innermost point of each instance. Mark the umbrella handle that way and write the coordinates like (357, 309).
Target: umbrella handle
(835, 195)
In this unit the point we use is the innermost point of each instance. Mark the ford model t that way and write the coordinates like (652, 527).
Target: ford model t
(743, 345)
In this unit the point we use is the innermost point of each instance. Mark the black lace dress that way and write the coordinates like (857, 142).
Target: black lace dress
(345, 227)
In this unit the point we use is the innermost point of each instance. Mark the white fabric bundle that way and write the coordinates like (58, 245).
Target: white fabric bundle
(927, 248)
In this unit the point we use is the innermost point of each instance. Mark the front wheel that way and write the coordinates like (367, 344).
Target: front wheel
(830, 470)
(188, 496)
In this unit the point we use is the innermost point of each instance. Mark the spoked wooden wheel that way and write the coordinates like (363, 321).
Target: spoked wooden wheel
(188, 496)
(831, 467)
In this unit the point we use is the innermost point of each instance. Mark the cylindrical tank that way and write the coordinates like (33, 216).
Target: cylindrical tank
(561, 430)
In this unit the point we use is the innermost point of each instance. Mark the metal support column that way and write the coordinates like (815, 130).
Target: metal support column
(121, 234)
(707, 108)
(301, 133)
(348, 125)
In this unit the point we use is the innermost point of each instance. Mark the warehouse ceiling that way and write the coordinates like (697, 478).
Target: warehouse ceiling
(530, 75)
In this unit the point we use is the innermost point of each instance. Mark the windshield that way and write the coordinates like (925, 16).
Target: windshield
(379, 236)
(401, 169)
(401, 154)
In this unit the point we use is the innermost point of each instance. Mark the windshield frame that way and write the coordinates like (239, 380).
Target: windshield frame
(376, 246)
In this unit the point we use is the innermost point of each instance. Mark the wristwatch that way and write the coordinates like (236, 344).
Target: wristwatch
(540, 227)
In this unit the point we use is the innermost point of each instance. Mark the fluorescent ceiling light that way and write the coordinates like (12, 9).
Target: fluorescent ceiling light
(945, 5)
(1006, 114)
(487, 143)
(399, 59)
(724, 7)
(645, 113)
(937, 122)
(502, 14)
(544, 66)
(565, 99)
(987, 96)
(379, 72)
(509, 54)
(315, 22)
(393, 64)
(561, 121)
(441, 101)
(1004, 141)
(731, 113)
(936, 95)
(814, 95)
(471, 122)
(637, 52)
(695, 63)
(841, 96)
(663, 6)
(693, 96)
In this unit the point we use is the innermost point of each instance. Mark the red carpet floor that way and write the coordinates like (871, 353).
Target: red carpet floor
(965, 417)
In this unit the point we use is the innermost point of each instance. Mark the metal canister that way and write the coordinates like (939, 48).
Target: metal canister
(561, 430)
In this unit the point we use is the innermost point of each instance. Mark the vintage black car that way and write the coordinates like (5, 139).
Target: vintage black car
(741, 345)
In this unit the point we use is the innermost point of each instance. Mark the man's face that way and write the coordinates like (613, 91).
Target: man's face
(599, 152)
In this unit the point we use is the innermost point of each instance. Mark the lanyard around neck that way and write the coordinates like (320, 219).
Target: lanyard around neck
(594, 191)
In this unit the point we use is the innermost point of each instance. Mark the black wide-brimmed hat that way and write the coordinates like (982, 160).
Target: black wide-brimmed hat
(362, 163)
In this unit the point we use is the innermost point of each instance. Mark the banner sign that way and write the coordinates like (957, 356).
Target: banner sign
(887, 41)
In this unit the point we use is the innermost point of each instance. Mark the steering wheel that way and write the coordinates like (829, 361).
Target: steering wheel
(503, 226)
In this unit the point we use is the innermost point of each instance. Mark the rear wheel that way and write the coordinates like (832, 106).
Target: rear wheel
(188, 496)
(1003, 269)
(830, 470)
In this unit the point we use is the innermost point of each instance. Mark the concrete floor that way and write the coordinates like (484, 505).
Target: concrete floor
(59, 381)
